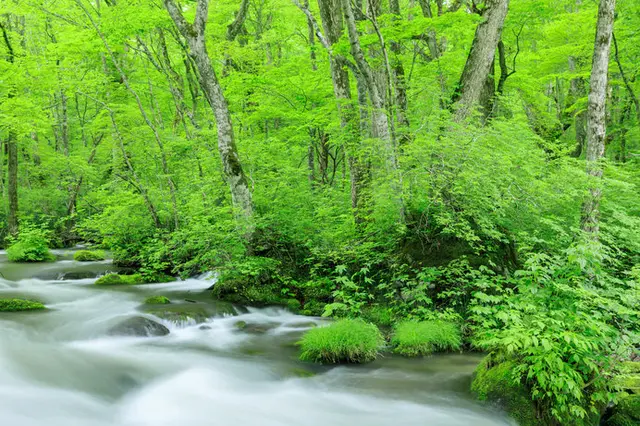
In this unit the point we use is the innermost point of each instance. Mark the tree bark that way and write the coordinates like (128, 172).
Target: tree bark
(596, 116)
(234, 174)
(468, 95)
(12, 183)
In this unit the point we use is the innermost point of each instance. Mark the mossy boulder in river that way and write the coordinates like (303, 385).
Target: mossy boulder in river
(626, 412)
(88, 255)
(138, 326)
(344, 341)
(181, 313)
(496, 383)
(17, 305)
(157, 300)
(117, 279)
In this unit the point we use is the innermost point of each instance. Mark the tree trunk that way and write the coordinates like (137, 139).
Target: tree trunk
(12, 183)
(596, 116)
(577, 88)
(234, 174)
(468, 95)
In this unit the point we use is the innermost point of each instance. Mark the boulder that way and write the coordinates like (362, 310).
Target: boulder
(138, 326)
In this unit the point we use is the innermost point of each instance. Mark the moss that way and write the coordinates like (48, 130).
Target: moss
(88, 255)
(628, 382)
(157, 300)
(630, 367)
(497, 384)
(16, 305)
(117, 279)
(293, 305)
(240, 325)
(347, 340)
(157, 277)
(313, 308)
(423, 338)
(626, 413)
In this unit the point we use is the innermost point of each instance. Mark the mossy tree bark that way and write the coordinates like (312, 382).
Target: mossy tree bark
(472, 88)
(234, 174)
(596, 116)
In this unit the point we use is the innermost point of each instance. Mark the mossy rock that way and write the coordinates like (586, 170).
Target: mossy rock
(117, 279)
(313, 308)
(88, 255)
(157, 300)
(344, 341)
(157, 277)
(182, 313)
(412, 338)
(497, 384)
(626, 412)
(17, 305)
(138, 326)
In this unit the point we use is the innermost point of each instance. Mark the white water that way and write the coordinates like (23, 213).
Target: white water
(59, 368)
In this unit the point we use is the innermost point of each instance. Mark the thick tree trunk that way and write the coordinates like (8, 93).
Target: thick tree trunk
(12, 183)
(474, 76)
(596, 116)
(233, 172)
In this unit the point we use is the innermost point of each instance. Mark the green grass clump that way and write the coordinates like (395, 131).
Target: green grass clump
(423, 338)
(15, 305)
(117, 279)
(157, 300)
(88, 255)
(347, 340)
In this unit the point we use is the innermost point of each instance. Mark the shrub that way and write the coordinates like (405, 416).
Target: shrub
(347, 340)
(423, 338)
(157, 300)
(88, 255)
(15, 305)
(32, 245)
(117, 279)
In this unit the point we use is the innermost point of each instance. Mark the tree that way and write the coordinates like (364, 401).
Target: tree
(596, 116)
(12, 149)
(194, 34)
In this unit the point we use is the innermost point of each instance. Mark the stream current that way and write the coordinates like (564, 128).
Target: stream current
(62, 368)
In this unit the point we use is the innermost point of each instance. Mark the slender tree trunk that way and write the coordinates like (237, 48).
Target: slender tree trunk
(234, 174)
(596, 116)
(577, 89)
(481, 56)
(12, 183)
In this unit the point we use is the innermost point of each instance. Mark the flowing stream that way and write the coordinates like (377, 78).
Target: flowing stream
(62, 368)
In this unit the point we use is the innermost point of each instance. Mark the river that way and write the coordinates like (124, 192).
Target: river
(62, 368)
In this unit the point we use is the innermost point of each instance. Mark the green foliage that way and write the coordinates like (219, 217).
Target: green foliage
(346, 340)
(412, 338)
(31, 245)
(556, 328)
(88, 255)
(117, 279)
(157, 300)
(15, 305)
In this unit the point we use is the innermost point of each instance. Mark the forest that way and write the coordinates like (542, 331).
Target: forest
(433, 175)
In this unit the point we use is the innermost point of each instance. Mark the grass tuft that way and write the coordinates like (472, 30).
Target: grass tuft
(413, 338)
(347, 340)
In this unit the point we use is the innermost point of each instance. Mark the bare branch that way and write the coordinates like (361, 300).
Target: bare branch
(316, 27)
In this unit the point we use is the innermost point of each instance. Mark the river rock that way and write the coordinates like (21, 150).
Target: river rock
(138, 326)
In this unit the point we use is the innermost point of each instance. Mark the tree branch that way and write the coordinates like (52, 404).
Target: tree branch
(185, 28)
(625, 79)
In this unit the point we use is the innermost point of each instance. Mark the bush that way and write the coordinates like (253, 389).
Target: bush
(32, 245)
(117, 279)
(15, 305)
(347, 340)
(423, 338)
(88, 255)
(157, 300)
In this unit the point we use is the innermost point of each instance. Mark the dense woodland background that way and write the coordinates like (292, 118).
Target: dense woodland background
(347, 156)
